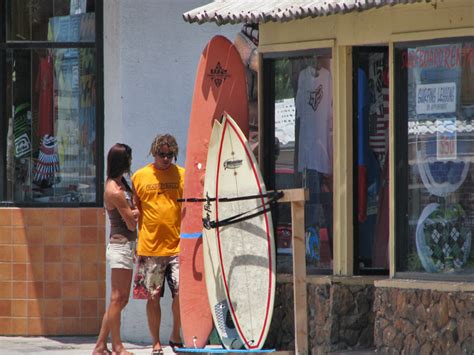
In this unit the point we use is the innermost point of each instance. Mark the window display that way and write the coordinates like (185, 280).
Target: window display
(51, 147)
(31, 20)
(371, 227)
(303, 117)
(439, 135)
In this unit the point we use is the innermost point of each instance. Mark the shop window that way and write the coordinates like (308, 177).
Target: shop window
(434, 158)
(370, 137)
(50, 103)
(298, 144)
(51, 20)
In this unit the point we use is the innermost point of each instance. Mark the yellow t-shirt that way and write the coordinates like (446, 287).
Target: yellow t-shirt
(160, 217)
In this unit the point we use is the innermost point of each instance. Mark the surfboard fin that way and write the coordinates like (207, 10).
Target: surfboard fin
(226, 327)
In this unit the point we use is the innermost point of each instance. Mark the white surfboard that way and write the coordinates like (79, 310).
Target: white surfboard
(214, 281)
(239, 258)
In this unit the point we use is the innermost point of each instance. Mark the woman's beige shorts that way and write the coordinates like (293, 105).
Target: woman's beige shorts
(120, 256)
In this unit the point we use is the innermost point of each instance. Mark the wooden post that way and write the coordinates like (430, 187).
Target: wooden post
(297, 199)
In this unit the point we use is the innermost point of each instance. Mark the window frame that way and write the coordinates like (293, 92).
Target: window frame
(400, 158)
(357, 271)
(267, 122)
(268, 88)
(98, 45)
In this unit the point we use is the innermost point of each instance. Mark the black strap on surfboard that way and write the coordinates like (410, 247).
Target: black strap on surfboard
(229, 199)
(276, 195)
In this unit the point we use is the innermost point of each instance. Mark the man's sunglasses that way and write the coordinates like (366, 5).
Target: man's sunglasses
(166, 155)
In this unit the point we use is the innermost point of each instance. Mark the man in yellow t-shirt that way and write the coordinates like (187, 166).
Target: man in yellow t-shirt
(157, 187)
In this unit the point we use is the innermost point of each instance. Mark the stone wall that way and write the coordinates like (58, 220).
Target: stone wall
(281, 334)
(424, 321)
(339, 317)
(352, 316)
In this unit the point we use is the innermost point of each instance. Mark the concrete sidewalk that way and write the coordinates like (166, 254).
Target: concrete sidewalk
(63, 345)
(78, 345)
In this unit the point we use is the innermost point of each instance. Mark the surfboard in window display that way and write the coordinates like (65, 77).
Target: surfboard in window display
(443, 238)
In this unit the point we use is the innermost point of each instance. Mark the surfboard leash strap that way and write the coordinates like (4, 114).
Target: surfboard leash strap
(276, 195)
(269, 194)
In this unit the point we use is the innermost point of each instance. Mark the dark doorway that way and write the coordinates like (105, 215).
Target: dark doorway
(370, 156)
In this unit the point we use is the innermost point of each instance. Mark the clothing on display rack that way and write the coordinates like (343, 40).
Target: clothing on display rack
(314, 111)
(380, 251)
(44, 89)
(47, 163)
(22, 130)
(313, 104)
(378, 109)
(362, 142)
(368, 169)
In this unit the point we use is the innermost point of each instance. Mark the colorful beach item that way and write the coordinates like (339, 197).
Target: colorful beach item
(239, 246)
(220, 86)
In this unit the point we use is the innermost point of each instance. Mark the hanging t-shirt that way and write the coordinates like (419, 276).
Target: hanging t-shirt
(44, 87)
(314, 110)
(22, 130)
(368, 168)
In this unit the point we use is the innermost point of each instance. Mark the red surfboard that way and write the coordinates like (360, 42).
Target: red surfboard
(220, 86)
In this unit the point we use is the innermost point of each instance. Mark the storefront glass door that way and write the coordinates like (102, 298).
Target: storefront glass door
(370, 137)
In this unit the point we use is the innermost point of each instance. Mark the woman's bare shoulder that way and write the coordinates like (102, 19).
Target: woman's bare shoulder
(113, 193)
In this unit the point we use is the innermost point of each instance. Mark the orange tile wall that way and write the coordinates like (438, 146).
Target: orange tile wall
(52, 271)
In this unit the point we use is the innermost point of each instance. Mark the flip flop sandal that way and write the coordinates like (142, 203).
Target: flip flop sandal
(157, 352)
(105, 352)
(175, 344)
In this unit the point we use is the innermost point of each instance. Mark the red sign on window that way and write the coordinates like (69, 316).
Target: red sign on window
(446, 140)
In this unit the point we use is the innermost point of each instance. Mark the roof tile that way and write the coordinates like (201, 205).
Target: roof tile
(252, 11)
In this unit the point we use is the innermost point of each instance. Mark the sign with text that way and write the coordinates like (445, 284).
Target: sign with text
(435, 98)
(446, 139)
(285, 120)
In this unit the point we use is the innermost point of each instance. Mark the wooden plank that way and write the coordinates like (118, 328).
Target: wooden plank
(294, 195)
(297, 198)
(343, 260)
(299, 277)
(261, 117)
(295, 46)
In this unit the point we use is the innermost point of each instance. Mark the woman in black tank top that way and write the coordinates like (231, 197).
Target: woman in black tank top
(123, 216)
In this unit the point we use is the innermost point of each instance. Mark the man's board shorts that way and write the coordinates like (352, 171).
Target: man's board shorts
(149, 280)
(120, 256)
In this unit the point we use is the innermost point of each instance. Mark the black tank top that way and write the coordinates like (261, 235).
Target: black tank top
(119, 233)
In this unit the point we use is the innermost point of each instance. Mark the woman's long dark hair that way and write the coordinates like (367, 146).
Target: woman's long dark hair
(119, 160)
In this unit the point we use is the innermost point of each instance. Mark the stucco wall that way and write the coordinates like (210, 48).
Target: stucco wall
(150, 61)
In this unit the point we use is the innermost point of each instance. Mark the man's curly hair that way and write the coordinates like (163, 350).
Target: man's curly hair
(161, 140)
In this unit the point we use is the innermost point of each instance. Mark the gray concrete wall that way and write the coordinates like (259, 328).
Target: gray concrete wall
(151, 56)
